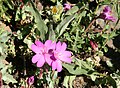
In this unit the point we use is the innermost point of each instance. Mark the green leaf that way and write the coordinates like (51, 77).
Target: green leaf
(112, 34)
(80, 15)
(4, 37)
(105, 49)
(68, 37)
(2, 65)
(105, 35)
(75, 43)
(51, 33)
(65, 82)
(83, 64)
(28, 42)
(51, 85)
(9, 3)
(112, 81)
(72, 10)
(75, 70)
(94, 75)
(53, 1)
(71, 78)
(63, 25)
(55, 75)
(108, 62)
(41, 26)
(107, 27)
(8, 78)
(68, 81)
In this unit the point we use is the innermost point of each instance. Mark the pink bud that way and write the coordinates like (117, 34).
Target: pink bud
(41, 73)
(94, 45)
(30, 80)
(107, 14)
(67, 6)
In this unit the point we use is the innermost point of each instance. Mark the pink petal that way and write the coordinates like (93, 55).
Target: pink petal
(107, 9)
(48, 43)
(53, 45)
(67, 60)
(47, 59)
(59, 66)
(41, 61)
(64, 46)
(58, 46)
(38, 43)
(54, 65)
(35, 58)
(35, 48)
(66, 53)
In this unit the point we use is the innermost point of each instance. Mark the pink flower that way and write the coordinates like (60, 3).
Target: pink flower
(30, 80)
(67, 6)
(107, 14)
(60, 55)
(41, 51)
(52, 53)
(94, 45)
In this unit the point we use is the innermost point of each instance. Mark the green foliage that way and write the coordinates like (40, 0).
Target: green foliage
(68, 81)
(4, 37)
(42, 28)
(63, 25)
(28, 20)
(4, 9)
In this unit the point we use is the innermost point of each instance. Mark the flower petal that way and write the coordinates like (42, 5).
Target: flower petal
(35, 58)
(67, 60)
(54, 65)
(59, 66)
(41, 61)
(35, 48)
(48, 43)
(64, 46)
(58, 46)
(47, 59)
(67, 53)
(38, 43)
(107, 9)
(53, 45)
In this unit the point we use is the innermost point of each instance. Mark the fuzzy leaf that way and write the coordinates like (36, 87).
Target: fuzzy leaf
(63, 25)
(41, 26)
